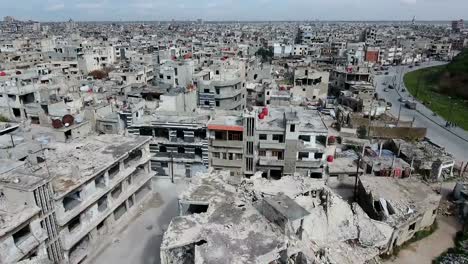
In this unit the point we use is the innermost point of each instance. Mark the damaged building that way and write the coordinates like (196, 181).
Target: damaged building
(82, 190)
(179, 145)
(428, 159)
(225, 222)
(406, 205)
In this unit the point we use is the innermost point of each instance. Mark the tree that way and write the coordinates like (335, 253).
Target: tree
(265, 54)
(99, 74)
(362, 132)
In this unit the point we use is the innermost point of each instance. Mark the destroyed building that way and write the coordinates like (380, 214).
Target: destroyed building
(426, 158)
(406, 205)
(83, 190)
(217, 218)
(22, 237)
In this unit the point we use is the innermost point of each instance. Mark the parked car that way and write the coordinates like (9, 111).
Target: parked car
(410, 105)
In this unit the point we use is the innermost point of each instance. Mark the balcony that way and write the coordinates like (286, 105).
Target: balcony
(308, 163)
(271, 161)
(272, 145)
(227, 143)
(226, 163)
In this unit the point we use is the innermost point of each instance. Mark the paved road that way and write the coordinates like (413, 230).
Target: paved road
(140, 242)
(455, 140)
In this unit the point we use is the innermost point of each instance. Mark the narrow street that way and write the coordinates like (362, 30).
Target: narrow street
(139, 243)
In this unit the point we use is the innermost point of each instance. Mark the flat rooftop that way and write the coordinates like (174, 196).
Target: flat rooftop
(308, 120)
(407, 196)
(69, 165)
(13, 215)
(173, 118)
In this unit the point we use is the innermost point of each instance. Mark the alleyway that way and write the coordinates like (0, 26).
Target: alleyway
(139, 243)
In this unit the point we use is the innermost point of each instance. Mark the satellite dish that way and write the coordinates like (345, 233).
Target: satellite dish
(68, 119)
(57, 123)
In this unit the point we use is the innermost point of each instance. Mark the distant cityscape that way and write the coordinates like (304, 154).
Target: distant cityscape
(233, 141)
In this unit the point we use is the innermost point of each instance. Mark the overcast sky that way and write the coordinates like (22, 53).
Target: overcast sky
(116, 10)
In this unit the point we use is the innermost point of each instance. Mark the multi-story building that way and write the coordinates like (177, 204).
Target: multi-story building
(343, 78)
(311, 84)
(458, 25)
(22, 236)
(440, 50)
(224, 90)
(84, 189)
(177, 73)
(226, 142)
(290, 140)
(278, 141)
(179, 147)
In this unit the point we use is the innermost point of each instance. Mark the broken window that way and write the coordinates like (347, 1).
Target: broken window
(74, 224)
(235, 136)
(278, 137)
(262, 137)
(35, 120)
(198, 152)
(114, 171)
(71, 200)
(146, 131)
(412, 227)
(100, 225)
(220, 135)
(278, 154)
(117, 191)
(102, 203)
(162, 149)
(292, 128)
(318, 155)
(100, 181)
(133, 156)
(180, 150)
(305, 138)
(22, 234)
(16, 112)
(197, 208)
(303, 155)
(377, 206)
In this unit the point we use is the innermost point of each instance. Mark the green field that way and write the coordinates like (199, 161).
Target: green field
(424, 84)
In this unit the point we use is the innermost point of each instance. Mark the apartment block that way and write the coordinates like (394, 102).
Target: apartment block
(85, 189)
(22, 236)
(179, 144)
(224, 89)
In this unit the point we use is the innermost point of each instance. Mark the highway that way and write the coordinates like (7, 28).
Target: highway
(454, 140)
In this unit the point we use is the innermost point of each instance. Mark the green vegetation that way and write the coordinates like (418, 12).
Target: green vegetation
(265, 54)
(444, 89)
(4, 119)
(457, 254)
(362, 132)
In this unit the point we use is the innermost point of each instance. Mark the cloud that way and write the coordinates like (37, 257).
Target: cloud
(408, 2)
(89, 5)
(55, 7)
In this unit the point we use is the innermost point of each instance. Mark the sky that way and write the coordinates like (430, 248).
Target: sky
(124, 10)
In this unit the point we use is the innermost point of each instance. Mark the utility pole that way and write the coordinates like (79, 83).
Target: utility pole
(172, 167)
(399, 115)
(356, 179)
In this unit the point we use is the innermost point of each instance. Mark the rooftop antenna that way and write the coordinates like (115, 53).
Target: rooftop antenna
(413, 21)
